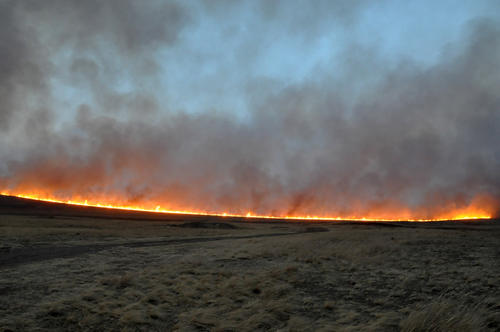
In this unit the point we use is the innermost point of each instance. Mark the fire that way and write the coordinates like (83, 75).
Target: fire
(468, 213)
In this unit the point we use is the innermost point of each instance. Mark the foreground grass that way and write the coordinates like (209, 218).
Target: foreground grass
(350, 278)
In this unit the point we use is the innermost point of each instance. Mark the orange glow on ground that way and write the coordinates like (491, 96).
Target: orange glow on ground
(467, 214)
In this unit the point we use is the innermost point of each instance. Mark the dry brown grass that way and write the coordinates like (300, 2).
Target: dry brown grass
(446, 316)
(351, 278)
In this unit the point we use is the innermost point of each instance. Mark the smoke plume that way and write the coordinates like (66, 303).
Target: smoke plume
(83, 115)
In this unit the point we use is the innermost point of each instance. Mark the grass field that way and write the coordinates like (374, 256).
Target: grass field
(77, 269)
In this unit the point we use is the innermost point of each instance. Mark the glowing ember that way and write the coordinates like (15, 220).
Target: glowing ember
(461, 214)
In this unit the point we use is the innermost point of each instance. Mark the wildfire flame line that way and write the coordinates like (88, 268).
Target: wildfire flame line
(249, 215)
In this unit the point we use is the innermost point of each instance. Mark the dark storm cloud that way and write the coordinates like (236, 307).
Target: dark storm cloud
(422, 138)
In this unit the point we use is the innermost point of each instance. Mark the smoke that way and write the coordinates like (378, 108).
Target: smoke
(83, 117)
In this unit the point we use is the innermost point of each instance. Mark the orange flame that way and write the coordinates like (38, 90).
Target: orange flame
(471, 212)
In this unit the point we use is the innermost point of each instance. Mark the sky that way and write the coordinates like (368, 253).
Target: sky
(347, 108)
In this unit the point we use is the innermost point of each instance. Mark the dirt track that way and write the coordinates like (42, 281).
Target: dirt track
(11, 257)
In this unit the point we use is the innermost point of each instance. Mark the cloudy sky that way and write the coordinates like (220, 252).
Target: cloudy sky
(350, 108)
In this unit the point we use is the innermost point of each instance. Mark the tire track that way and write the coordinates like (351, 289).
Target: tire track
(14, 257)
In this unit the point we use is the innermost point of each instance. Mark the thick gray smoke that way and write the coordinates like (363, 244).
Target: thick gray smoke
(81, 117)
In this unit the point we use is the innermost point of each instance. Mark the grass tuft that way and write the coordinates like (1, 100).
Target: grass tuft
(444, 315)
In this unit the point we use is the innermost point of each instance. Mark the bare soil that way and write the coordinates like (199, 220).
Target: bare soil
(66, 268)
